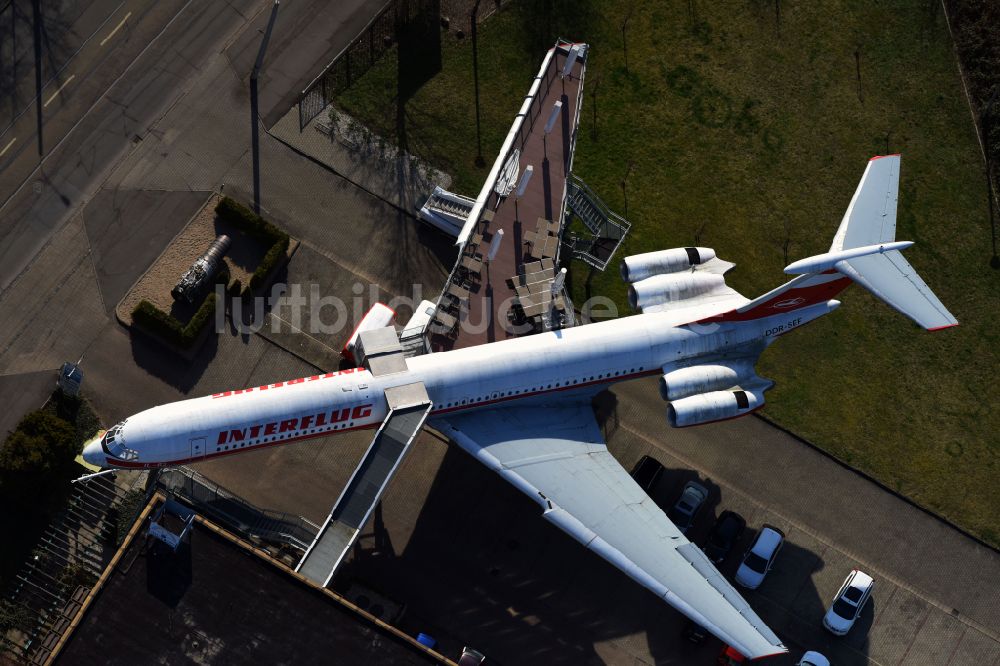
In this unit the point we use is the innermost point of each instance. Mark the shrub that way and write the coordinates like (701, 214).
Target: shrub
(246, 220)
(157, 321)
(77, 411)
(272, 259)
(36, 459)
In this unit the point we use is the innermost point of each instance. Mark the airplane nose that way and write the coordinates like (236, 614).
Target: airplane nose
(94, 454)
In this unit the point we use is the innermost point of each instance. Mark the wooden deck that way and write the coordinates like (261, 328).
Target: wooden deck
(490, 311)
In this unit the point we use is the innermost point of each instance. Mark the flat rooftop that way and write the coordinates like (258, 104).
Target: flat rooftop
(215, 601)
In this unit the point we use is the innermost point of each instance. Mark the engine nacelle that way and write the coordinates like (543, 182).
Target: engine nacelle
(714, 406)
(379, 316)
(641, 266)
(660, 289)
(696, 379)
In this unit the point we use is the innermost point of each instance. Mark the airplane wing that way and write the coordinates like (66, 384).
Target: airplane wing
(557, 456)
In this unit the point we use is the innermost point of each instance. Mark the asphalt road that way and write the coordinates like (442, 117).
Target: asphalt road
(470, 556)
(122, 87)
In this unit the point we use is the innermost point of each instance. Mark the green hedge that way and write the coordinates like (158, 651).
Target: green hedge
(272, 259)
(246, 220)
(169, 328)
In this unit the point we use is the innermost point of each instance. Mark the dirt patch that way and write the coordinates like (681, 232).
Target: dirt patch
(244, 254)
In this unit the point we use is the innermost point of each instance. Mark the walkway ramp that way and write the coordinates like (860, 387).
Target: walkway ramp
(408, 409)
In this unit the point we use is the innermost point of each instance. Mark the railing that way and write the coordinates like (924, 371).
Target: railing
(602, 222)
(66, 560)
(235, 513)
(357, 57)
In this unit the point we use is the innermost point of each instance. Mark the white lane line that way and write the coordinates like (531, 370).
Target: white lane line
(7, 147)
(117, 28)
(58, 90)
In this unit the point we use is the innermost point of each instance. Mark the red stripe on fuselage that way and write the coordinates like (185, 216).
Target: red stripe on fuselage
(437, 412)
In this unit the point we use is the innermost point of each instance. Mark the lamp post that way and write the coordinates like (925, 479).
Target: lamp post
(567, 69)
(254, 115)
(553, 117)
(494, 246)
(36, 20)
(521, 187)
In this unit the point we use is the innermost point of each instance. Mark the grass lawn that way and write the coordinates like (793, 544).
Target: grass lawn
(749, 135)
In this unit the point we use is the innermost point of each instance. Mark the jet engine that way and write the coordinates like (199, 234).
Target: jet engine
(641, 266)
(713, 406)
(672, 287)
(696, 379)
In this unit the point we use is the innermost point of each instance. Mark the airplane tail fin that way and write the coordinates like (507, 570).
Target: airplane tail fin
(865, 251)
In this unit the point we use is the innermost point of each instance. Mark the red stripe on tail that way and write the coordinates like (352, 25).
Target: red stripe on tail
(787, 301)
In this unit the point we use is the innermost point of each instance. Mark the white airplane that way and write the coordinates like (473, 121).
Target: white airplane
(523, 406)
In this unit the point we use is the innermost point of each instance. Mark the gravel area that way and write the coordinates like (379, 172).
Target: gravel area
(155, 284)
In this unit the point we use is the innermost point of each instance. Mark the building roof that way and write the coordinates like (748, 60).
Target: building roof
(214, 597)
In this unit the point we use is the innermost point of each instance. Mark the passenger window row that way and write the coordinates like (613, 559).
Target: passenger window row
(544, 387)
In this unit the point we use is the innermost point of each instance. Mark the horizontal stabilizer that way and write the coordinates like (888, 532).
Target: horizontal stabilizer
(890, 277)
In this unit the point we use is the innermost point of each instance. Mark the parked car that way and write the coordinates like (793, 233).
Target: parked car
(686, 508)
(730, 657)
(694, 632)
(849, 602)
(647, 472)
(725, 533)
(812, 658)
(471, 657)
(759, 559)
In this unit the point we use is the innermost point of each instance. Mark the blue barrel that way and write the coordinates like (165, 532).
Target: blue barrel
(426, 641)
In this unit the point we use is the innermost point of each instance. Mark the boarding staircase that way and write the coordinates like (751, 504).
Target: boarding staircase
(408, 409)
(607, 228)
(235, 513)
(446, 210)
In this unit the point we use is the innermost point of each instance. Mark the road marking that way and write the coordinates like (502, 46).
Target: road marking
(58, 90)
(7, 147)
(117, 28)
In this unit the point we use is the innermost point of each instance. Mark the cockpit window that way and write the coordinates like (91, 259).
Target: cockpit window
(113, 443)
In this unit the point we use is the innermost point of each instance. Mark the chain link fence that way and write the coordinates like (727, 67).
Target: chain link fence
(357, 58)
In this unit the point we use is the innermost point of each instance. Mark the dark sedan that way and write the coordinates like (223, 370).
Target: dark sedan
(725, 533)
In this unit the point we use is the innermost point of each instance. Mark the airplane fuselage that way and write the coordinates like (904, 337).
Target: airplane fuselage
(581, 359)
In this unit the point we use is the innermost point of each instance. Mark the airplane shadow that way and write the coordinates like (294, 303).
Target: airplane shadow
(483, 568)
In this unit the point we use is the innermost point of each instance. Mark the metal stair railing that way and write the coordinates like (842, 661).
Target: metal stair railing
(593, 212)
(234, 512)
